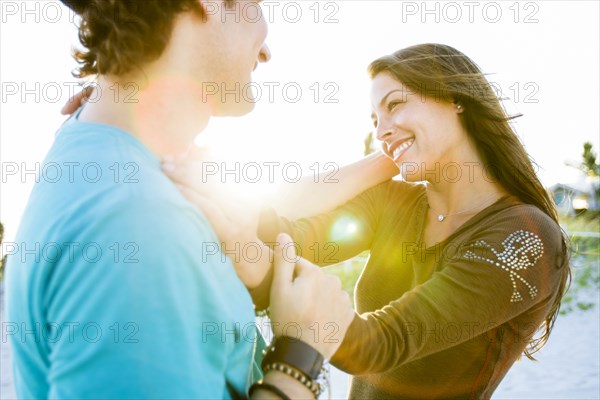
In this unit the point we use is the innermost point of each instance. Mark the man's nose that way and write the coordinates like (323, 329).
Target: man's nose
(265, 54)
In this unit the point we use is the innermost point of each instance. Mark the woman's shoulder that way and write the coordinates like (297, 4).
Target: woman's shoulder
(523, 241)
(514, 223)
(513, 212)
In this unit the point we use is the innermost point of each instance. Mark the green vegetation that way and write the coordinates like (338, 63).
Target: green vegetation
(589, 166)
(585, 262)
(370, 146)
(584, 232)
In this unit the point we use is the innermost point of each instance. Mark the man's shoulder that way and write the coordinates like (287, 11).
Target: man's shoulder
(117, 189)
(100, 168)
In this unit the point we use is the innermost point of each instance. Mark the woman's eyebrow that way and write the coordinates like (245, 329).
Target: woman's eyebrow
(381, 103)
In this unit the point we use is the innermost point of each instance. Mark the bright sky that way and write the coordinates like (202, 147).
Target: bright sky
(543, 55)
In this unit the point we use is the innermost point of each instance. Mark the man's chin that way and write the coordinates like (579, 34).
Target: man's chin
(235, 109)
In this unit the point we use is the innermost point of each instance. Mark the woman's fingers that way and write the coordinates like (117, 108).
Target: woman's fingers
(183, 172)
(194, 174)
(383, 147)
(77, 101)
(203, 179)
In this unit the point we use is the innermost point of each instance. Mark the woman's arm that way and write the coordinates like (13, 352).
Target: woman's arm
(496, 289)
(315, 195)
(324, 239)
(335, 236)
(310, 196)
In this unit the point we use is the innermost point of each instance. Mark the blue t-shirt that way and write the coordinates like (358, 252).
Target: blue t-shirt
(118, 288)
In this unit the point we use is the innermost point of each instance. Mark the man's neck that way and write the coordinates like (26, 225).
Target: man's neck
(164, 113)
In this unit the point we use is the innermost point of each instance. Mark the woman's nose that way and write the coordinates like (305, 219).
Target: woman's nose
(383, 132)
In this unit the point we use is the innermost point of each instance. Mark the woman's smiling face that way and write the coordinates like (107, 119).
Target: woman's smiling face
(421, 134)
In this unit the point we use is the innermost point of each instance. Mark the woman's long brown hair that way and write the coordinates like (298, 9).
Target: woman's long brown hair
(440, 71)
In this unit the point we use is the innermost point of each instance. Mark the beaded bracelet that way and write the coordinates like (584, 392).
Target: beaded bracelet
(313, 386)
(268, 387)
(262, 313)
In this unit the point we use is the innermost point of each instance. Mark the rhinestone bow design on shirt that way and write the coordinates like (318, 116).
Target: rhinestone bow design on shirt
(521, 250)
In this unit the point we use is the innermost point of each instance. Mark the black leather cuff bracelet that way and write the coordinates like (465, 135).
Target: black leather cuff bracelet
(295, 353)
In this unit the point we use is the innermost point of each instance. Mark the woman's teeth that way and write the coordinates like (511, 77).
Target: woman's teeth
(400, 149)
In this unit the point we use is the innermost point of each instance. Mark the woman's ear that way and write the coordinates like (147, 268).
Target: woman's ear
(458, 107)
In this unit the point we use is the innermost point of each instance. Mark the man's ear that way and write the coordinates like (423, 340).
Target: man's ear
(209, 8)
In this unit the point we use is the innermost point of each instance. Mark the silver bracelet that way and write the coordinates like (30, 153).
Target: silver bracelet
(313, 386)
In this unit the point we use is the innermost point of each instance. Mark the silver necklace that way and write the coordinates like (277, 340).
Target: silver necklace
(441, 217)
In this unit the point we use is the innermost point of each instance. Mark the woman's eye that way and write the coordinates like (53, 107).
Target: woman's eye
(393, 104)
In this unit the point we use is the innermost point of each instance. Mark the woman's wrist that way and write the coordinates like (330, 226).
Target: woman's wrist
(366, 173)
(253, 263)
(378, 168)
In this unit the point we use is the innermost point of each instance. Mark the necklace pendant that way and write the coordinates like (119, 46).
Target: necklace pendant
(441, 217)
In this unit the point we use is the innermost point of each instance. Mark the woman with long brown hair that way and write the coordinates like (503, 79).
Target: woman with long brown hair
(467, 261)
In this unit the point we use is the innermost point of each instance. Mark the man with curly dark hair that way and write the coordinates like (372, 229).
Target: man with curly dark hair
(119, 292)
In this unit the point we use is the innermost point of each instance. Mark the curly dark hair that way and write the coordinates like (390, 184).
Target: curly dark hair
(121, 35)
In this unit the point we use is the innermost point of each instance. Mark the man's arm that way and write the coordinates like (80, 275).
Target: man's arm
(313, 302)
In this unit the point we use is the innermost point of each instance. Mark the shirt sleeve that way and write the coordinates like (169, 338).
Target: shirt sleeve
(509, 268)
(143, 312)
(331, 237)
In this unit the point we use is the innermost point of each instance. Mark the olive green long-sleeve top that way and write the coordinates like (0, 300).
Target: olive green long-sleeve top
(446, 321)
